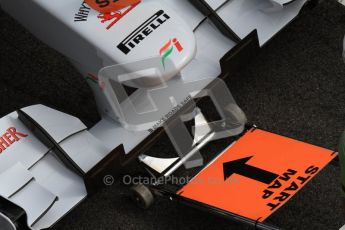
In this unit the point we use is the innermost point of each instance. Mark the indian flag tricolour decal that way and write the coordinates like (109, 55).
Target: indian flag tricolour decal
(168, 49)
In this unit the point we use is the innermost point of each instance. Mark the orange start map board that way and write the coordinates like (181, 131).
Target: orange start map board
(257, 175)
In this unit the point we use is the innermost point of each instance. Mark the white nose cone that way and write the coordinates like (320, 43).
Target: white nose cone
(154, 30)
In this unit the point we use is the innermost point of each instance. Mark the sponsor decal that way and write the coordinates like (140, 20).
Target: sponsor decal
(83, 13)
(107, 6)
(9, 138)
(95, 80)
(168, 49)
(143, 31)
(114, 17)
(110, 18)
(92, 78)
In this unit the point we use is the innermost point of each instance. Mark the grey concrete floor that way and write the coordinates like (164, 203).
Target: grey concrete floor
(295, 87)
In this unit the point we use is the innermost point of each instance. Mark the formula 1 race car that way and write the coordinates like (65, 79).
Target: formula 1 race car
(148, 64)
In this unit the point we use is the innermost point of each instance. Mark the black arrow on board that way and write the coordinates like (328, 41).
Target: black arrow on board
(241, 168)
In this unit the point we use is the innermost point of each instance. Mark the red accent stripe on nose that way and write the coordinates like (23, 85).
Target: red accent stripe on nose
(178, 45)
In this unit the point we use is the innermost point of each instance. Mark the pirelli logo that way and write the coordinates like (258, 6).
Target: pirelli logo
(143, 31)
